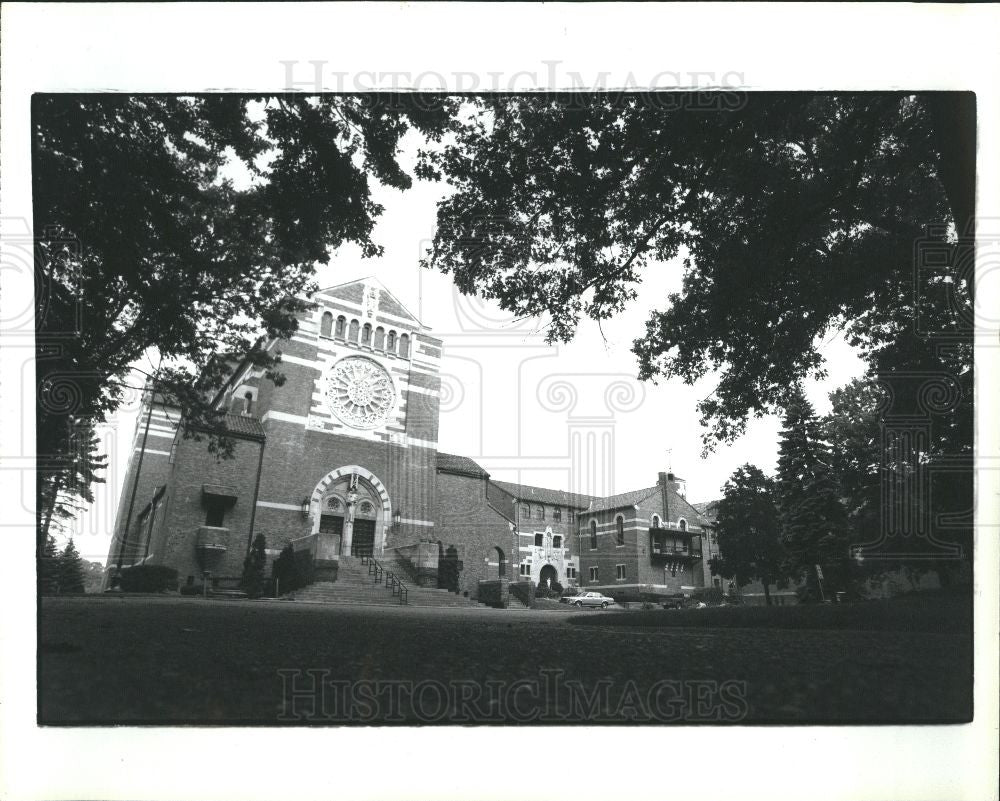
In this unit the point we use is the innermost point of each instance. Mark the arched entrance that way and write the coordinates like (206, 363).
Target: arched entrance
(350, 513)
(547, 576)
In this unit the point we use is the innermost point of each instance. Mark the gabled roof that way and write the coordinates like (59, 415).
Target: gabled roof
(708, 509)
(524, 492)
(623, 499)
(388, 303)
(459, 465)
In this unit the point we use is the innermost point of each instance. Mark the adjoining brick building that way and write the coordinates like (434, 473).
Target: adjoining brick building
(342, 460)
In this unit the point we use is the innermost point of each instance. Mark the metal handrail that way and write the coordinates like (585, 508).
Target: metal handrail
(392, 582)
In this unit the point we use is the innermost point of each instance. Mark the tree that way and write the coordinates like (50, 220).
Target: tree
(855, 425)
(814, 528)
(749, 531)
(253, 567)
(70, 570)
(48, 567)
(146, 246)
(795, 214)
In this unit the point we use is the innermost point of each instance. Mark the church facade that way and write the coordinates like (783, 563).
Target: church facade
(342, 460)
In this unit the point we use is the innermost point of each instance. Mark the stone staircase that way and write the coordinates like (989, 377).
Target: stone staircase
(354, 585)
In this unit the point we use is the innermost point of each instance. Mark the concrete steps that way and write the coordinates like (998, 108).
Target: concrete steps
(354, 585)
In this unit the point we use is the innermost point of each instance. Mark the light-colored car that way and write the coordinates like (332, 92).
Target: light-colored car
(593, 599)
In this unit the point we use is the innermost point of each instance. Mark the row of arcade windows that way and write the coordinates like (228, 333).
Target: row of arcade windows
(539, 512)
(376, 338)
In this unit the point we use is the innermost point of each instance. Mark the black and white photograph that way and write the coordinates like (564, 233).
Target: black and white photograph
(410, 410)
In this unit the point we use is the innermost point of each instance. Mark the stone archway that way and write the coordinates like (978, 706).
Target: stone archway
(547, 576)
(359, 488)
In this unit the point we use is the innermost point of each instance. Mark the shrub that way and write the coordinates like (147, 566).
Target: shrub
(148, 578)
(292, 569)
(709, 595)
(253, 568)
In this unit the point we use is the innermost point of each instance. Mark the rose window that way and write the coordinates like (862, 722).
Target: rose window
(360, 392)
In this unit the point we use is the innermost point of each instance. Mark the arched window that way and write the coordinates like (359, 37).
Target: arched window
(366, 335)
(353, 332)
(248, 403)
(341, 326)
(656, 521)
(539, 512)
(593, 535)
(619, 531)
(404, 346)
(501, 563)
(525, 511)
(682, 524)
(326, 325)
(379, 338)
(390, 343)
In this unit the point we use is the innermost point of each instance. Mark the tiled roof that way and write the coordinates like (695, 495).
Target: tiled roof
(622, 499)
(524, 492)
(244, 425)
(460, 465)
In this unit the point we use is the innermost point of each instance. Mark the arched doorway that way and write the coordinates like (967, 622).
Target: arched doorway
(547, 576)
(501, 563)
(350, 512)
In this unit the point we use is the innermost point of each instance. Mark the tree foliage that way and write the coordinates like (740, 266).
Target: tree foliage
(71, 570)
(749, 531)
(814, 527)
(795, 214)
(144, 240)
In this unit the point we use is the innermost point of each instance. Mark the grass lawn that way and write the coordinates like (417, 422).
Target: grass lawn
(924, 612)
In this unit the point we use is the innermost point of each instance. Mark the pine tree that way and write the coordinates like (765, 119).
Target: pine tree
(48, 568)
(814, 527)
(70, 569)
(253, 567)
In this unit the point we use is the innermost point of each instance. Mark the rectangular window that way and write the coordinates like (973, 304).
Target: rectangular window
(620, 572)
(571, 572)
(593, 574)
(538, 539)
(556, 541)
(569, 515)
(525, 569)
(215, 512)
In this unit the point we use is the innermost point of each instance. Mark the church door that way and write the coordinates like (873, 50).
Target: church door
(331, 531)
(363, 539)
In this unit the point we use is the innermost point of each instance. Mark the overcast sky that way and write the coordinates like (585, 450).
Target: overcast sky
(512, 402)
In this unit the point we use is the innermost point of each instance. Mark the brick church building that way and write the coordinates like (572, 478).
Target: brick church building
(342, 461)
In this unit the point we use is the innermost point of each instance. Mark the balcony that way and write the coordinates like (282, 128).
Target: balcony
(675, 545)
(212, 540)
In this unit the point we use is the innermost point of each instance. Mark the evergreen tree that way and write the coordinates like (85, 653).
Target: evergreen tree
(70, 569)
(253, 567)
(749, 531)
(48, 568)
(814, 529)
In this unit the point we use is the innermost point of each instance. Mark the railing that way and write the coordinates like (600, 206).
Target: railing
(380, 575)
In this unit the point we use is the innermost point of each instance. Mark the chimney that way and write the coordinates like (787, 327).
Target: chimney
(662, 479)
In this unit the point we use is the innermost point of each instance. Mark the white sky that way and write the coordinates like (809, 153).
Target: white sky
(503, 384)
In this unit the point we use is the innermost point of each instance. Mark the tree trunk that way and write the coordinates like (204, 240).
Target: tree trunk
(767, 593)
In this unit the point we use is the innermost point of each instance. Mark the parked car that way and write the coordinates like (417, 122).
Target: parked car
(569, 596)
(593, 599)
